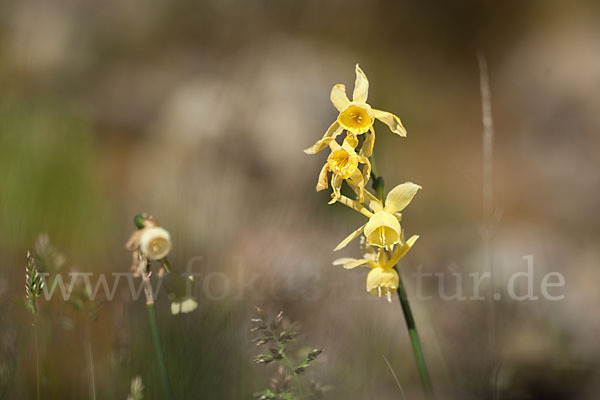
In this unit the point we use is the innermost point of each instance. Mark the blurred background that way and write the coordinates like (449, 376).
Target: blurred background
(197, 113)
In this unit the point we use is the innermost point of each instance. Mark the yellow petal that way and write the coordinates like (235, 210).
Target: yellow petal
(361, 86)
(390, 120)
(334, 130)
(336, 185)
(400, 197)
(322, 182)
(366, 169)
(333, 145)
(356, 178)
(355, 205)
(367, 148)
(338, 97)
(374, 203)
(357, 184)
(374, 199)
(343, 260)
(351, 140)
(349, 263)
(347, 145)
(348, 239)
(402, 250)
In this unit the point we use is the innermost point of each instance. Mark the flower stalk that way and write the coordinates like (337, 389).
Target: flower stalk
(415, 341)
(383, 243)
(90, 360)
(37, 356)
(156, 342)
(413, 333)
(160, 357)
(151, 242)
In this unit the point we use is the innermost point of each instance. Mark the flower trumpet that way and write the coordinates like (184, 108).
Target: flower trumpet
(383, 228)
(343, 162)
(383, 278)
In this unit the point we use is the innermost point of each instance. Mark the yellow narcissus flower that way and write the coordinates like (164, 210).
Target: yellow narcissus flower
(343, 162)
(382, 279)
(383, 228)
(356, 116)
(155, 242)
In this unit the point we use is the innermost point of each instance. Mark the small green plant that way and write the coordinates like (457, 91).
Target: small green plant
(277, 334)
(34, 285)
(137, 389)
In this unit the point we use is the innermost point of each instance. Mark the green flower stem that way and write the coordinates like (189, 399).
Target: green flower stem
(90, 359)
(414, 338)
(37, 355)
(379, 187)
(162, 365)
(378, 183)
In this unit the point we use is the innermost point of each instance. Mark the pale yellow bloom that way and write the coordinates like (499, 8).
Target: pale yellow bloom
(382, 279)
(155, 242)
(356, 116)
(383, 228)
(343, 162)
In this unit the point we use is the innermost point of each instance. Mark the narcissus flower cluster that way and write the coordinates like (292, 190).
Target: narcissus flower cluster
(383, 242)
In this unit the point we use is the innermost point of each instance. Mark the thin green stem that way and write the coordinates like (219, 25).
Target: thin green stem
(288, 362)
(37, 355)
(90, 358)
(162, 366)
(378, 183)
(373, 166)
(415, 341)
(414, 338)
(296, 379)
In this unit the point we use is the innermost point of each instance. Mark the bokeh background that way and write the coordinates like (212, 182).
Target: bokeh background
(197, 112)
